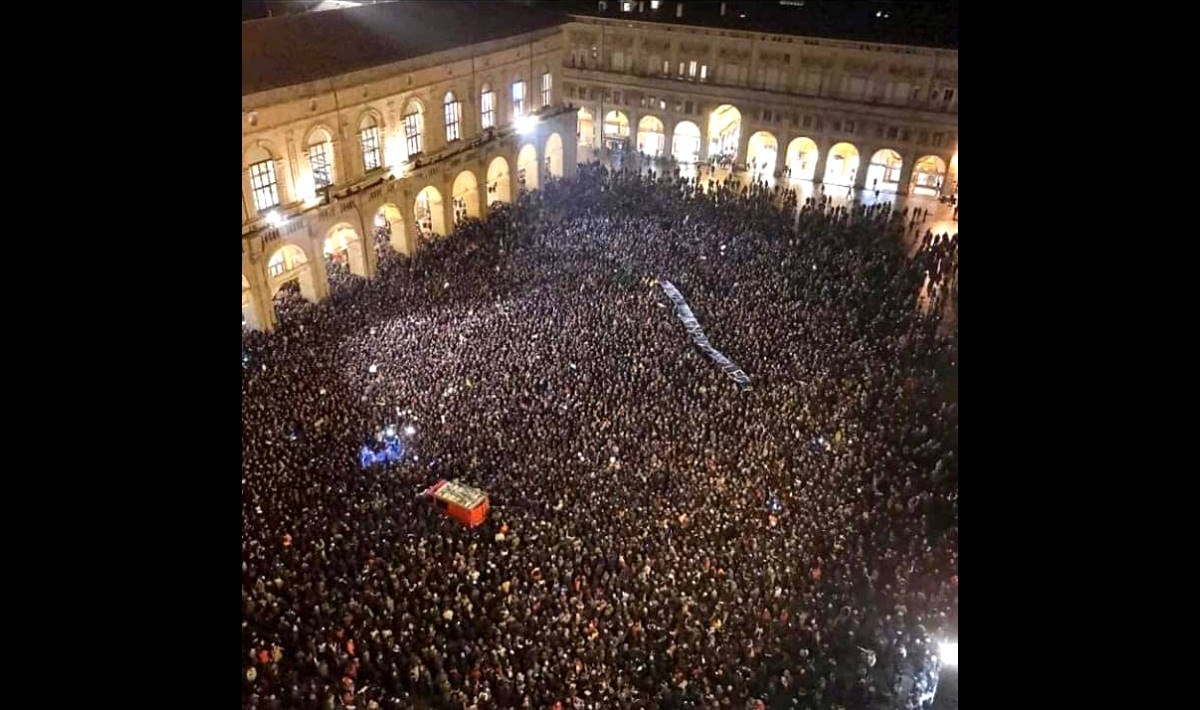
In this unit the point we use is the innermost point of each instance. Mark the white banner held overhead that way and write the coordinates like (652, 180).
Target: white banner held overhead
(699, 338)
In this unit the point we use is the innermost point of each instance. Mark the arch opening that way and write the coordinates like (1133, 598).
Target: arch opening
(430, 213)
(527, 168)
(724, 132)
(499, 184)
(842, 165)
(685, 142)
(928, 175)
(554, 156)
(389, 228)
(465, 194)
(801, 159)
(288, 266)
(616, 130)
(343, 250)
(761, 153)
(883, 172)
(585, 128)
(651, 138)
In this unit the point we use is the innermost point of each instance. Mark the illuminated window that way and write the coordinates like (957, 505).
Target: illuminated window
(546, 89)
(692, 69)
(453, 113)
(318, 158)
(412, 133)
(666, 66)
(518, 98)
(262, 182)
(368, 138)
(488, 102)
(653, 4)
(703, 72)
(626, 6)
(681, 69)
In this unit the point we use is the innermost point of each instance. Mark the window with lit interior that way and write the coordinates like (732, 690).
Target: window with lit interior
(546, 89)
(412, 132)
(262, 182)
(318, 158)
(368, 138)
(487, 100)
(453, 111)
(518, 98)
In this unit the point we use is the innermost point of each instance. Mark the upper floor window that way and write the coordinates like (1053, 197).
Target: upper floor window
(937, 140)
(518, 98)
(319, 160)
(653, 4)
(262, 182)
(487, 102)
(453, 114)
(368, 138)
(703, 72)
(546, 88)
(947, 95)
(414, 125)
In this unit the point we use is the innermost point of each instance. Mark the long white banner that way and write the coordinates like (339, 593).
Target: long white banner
(699, 338)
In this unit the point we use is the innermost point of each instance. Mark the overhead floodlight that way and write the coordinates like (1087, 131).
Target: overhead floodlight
(948, 652)
(274, 219)
(526, 124)
(410, 430)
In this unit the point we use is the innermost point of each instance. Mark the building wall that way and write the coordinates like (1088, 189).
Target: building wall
(870, 95)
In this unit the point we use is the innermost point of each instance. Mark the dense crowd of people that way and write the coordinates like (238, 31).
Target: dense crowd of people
(658, 538)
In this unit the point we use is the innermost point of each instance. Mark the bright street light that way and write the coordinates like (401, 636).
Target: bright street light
(526, 124)
(948, 652)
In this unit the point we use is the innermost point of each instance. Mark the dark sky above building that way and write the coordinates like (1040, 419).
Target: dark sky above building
(924, 23)
(281, 51)
(301, 45)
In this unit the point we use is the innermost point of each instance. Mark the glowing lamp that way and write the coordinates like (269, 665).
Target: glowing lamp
(274, 219)
(410, 430)
(948, 652)
(526, 124)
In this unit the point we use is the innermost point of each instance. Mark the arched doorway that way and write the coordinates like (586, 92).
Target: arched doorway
(724, 132)
(554, 156)
(616, 130)
(651, 138)
(801, 159)
(499, 184)
(761, 152)
(884, 171)
(429, 212)
(465, 193)
(344, 249)
(842, 165)
(289, 265)
(928, 174)
(685, 142)
(585, 128)
(527, 168)
(389, 227)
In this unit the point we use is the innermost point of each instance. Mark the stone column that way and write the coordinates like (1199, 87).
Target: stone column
(906, 171)
(864, 163)
(822, 162)
(261, 315)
